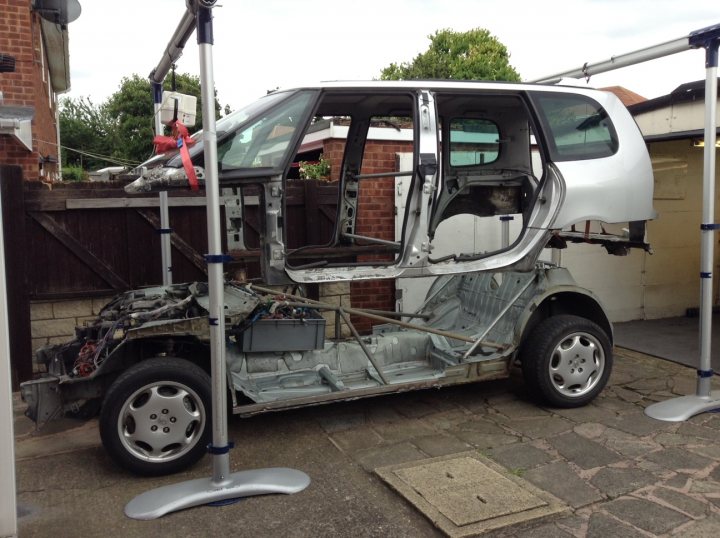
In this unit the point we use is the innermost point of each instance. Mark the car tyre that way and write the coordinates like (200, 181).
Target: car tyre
(567, 360)
(155, 418)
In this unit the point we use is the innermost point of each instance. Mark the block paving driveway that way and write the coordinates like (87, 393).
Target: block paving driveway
(620, 472)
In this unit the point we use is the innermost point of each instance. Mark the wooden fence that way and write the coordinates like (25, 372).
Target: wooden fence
(92, 239)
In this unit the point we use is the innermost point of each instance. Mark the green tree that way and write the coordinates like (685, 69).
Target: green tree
(132, 109)
(122, 128)
(89, 130)
(472, 55)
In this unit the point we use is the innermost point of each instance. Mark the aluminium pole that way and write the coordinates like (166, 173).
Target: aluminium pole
(222, 486)
(622, 60)
(684, 407)
(215, 258)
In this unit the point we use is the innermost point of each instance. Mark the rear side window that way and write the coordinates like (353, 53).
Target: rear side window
(576, 127)
(473, 142)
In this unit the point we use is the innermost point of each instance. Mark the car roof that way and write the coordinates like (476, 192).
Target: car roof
(443, 85)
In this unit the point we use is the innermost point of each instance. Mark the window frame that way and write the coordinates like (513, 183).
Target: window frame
(550, 134)
(450, 143)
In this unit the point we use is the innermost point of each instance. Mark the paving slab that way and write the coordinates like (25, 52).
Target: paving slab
(628, 445)
(403, 430)
(520, 456)
(588, 413)
(417, 408)
(679, 481)
(646, 515)
(483, 434)
(590, 430)
(560, 480)
(536, 428)
(615, 482)
(603, 526)
(548, 530)
(639, 424)
(673, 439)
(465, 494)
(480, 425)
(486, 440)
(677, 459)
(518, 407)
(342, 422)
(583, 452)
(627, 395)
(440, 445)
(383, 456)
(712, 451)
(682, 502)
(356, 439)
(688, 429)
(707, 487)
(702, 529)
(445, 420)
(715, 474)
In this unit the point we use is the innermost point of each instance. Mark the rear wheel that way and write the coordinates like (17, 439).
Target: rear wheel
(156, 416)
(567, 360)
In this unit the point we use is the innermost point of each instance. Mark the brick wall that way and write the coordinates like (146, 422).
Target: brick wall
(333, 151)
(376, 218)
(28, 85)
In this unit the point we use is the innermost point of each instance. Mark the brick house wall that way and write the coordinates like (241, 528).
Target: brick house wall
(376, 217)
(29, 85)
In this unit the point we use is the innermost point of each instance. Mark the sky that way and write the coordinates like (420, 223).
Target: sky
(265, 44)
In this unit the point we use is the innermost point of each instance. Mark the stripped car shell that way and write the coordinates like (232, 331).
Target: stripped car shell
(145, 360)
(594, 167)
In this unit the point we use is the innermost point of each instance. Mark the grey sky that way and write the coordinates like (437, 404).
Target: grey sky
(264, 44)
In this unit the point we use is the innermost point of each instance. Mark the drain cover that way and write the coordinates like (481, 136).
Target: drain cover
(467, 494)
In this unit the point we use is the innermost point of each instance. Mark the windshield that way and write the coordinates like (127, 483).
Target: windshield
(231, 122)
(256, 136)
(264, 140)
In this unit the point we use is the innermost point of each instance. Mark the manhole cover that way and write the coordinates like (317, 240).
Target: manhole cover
(467, 494)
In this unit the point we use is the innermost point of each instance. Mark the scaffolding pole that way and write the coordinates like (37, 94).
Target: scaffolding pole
(704, 399)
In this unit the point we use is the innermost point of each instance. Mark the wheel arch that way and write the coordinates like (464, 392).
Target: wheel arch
(135, 350)
(556, 302)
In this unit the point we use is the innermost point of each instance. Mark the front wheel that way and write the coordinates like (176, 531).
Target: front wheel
(567, 360)
(155, 419)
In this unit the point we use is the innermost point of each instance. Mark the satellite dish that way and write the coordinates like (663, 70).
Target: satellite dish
(58, 11)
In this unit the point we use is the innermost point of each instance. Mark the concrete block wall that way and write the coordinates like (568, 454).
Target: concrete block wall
(336, 294)
(54, 322)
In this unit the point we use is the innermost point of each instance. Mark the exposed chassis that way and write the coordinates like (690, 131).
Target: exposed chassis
(470, 329)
